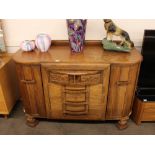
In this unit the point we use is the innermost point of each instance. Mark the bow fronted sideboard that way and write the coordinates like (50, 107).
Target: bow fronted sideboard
(92, 85)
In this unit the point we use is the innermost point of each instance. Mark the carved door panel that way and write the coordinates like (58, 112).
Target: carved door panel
(121, 90)
(75, 94)
(31, 89)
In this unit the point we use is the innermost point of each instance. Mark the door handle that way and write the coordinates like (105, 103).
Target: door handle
(122, 83)
(28, 81)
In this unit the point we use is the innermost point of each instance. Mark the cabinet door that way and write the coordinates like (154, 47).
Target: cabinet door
(76, 93)
(121, 90)
(31, 89)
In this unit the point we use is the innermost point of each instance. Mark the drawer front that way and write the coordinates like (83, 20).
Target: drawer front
(75, 77)
(75, 109)
(59, 78)
(148, 112)
(76, 94)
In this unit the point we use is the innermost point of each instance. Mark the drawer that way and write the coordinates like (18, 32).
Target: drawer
(76, 77)
(75, 94)
(59, 78)
(72, 96)
(75, 108)
(149, 108)
(149, 112)
(91, 78)
(143, 111)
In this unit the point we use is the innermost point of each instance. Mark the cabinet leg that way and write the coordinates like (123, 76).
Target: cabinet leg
(138, 122)
(5, 116)
(123, 123)
(31, 121)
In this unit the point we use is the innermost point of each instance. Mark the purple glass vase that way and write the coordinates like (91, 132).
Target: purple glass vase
(76, 33)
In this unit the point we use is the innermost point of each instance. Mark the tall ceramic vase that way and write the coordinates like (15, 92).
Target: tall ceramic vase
(76, 33)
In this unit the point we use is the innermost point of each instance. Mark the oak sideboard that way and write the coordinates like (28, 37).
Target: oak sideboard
(92, 85)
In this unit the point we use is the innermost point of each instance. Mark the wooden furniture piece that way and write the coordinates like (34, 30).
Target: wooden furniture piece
(8, 84)
(93, 85)
(143, 111)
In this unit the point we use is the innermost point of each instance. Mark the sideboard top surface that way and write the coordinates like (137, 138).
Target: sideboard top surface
(92, 53)
(4, 59)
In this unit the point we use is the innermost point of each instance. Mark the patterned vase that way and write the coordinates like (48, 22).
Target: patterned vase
(76, 33)
(27, 45)
(43, 42)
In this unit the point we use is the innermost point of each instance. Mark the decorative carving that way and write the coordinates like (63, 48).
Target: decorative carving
(58, 78)
(69, 78)
(91, 78)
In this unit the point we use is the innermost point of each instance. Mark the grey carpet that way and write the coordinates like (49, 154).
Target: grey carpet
(15, 125)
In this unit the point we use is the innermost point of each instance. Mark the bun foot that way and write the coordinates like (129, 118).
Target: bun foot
(31, 121)
(122, 124)
(6, 116)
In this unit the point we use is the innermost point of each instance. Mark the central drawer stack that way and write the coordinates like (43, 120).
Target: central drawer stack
(72, 92)
(75, 93)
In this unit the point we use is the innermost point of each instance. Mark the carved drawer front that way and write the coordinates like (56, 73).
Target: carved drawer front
(59, 78)
(78, 93)
(75, 77)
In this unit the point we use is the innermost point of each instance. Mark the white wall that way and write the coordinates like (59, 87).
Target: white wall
(19, 30)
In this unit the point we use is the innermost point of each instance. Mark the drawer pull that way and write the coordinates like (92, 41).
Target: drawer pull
(75, 113)
(28, 81)
(75, 104)
(122, 83)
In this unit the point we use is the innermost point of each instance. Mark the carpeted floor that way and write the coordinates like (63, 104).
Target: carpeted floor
(15, 125)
